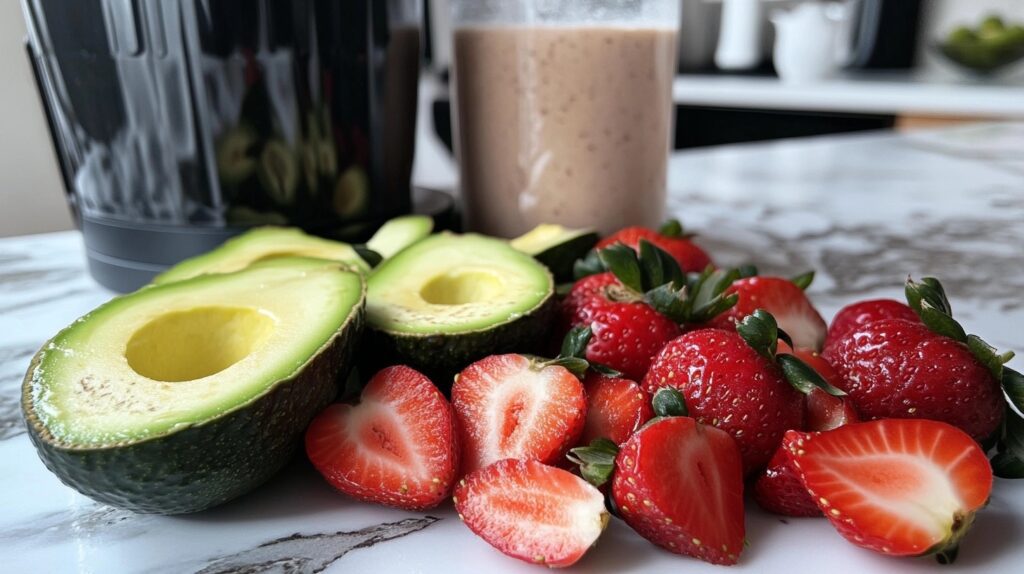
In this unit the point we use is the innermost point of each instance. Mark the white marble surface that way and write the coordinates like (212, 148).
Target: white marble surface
(864, 210)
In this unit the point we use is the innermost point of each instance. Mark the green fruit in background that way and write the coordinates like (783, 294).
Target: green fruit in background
(326, 158)
(278, 172)
(242, 215)
(557, 247)
(992, 25)
(263, 244)
(180, 397)
(351, 192)
(235, 161)
(310, 173)
(398, 233)
(448, 300)
(962, 35)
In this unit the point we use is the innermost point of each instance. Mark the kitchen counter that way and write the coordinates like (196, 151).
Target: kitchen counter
(926, 92)
(865, 210)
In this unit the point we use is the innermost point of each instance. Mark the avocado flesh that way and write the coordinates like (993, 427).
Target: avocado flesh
(179, 397)
(262, 244)
(398, 233)
(451, 299)
(557, 247)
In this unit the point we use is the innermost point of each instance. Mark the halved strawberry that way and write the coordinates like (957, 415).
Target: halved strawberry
(779, 490)
(824, 411)
(786, 301)
(531, 511)
(512, 406)
(616, 408)
(902, 487)
(397, 447)
(679, 484)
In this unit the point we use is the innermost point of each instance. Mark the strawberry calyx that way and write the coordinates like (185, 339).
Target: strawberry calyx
(804, 280)
(673, 228)
(596, 460)
(573, 355)
(669, 402)
(761, 331)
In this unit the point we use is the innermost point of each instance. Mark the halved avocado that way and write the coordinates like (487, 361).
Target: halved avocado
(556, 247)
(398, 233)
(179, 397)
(449, 300)
(262, 244)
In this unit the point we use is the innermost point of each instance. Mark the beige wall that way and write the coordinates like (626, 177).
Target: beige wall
(31, 193)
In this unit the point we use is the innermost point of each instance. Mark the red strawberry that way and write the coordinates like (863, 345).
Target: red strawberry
(899, 369)
(729, 384)
(615, 408)
(628, 332)
(784, 300)
(397, 447)
(824, 411)
(531, 511)
(687, 254)
(679, 484)
(899, 487)
(779, 489)
(863, 313)
(509, 406)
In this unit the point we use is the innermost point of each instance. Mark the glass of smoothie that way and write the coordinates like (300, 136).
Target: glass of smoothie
(563, 111)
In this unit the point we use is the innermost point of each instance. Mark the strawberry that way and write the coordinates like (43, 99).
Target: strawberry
(734, 381)
(779, 489)
(899, 487)
(531, 511)
(397, 447)
(896, 368)
(616, 408)
(784, 299)
(862, 313)
(669, 238)
(513, 406)
(636, 307)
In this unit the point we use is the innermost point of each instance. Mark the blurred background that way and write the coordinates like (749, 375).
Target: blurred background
(749, 70)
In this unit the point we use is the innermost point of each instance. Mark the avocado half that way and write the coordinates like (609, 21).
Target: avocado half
(557, 247)
(449, 300)
(262, 244)
(180, 397)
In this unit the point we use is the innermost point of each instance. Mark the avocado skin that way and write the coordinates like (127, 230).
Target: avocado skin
(441, 356)
(560, 258)
(211, 463)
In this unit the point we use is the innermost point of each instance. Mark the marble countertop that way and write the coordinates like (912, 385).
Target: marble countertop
(864, 210)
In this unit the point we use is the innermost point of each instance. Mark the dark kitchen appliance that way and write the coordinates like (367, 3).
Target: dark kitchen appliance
(178, 123)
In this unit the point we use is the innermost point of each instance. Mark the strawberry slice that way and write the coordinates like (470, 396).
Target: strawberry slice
(511, 406)
(679, 484)
(397, 447)
(616, 408)
(902, 487)
(531, 511)
(784, 300)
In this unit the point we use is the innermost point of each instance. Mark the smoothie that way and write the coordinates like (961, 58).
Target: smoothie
(563, 124)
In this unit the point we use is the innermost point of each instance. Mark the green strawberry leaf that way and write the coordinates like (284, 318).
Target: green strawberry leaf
(669, 301)
(747, 270)
(653, 272)
(604, 370)
(803, 377)
(804, 281)
(669, 402)
(371, 257)
(988, 355)
(574, 365)
(1009, 459)
(761, 332)
(575, 343)
(941, 323)
(623, 263)
(787, 339)
(596, 461)
(590, 264)
(671, 228)
(1013, 385)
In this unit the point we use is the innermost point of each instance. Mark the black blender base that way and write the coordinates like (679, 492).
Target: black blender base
(124, 256)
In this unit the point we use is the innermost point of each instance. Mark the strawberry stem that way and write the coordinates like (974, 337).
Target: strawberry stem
(596, 461)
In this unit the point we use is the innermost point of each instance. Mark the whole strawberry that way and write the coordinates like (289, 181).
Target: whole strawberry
(862, 313)
(670, 238)
(785, 300)
(895, 368)
(636, 307)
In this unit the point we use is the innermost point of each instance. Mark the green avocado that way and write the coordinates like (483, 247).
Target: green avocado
(556, 247)
(183, 396)
(400, 232)
(449, 300)
(262, 244)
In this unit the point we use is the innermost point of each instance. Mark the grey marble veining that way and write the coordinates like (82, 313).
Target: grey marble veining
(864, 210)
